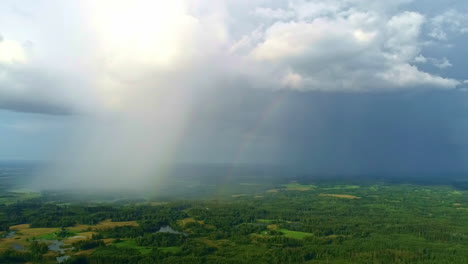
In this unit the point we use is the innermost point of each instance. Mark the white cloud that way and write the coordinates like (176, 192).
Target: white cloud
(420, 59)
(405, 75)
(271, 13)
(11, 52)
(402, 36)
(449, 22)
(120, 54)
(442, 63)
(351, 50)
(314, 9)
(293, 80)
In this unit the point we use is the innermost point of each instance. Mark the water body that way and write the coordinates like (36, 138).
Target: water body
(10, 234)
(168, 229)
(56, 245)
(62, 259)
(18, 247)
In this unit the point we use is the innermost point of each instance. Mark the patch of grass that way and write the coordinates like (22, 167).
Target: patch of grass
(294, 186)
(110, 224)
(22, 191)
(186, 221)
(26, 231)
(215, 243)
(173, 250)
(342, 196)
(106, 224)
(54, 236)
(50, 236)
(238, 195)
(343, 187)
(17, 195)
(295, 234)
(272, 227)
(23, 234)
(265, 220)
(132, 244)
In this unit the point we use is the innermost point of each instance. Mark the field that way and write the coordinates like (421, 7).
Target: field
(294, 186)
(172, 250)
(189, 220)
(294, 234)
(13, 196)
(132, 244)
(23, 235)
(343, 196)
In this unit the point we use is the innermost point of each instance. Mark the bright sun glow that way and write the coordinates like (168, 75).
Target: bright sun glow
(140, 32)
(11, 52)
(136, 38)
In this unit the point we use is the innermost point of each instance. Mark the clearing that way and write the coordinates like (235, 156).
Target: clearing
(294, 186)
(342, 196)
(295, 234)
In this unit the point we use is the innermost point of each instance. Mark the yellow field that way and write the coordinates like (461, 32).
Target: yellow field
(343, 196)
(102, 225)
(24, 233)
(79, 237)
(185, 221)
(272, 227)
(215, 243)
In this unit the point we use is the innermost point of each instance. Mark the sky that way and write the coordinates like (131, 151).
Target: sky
(340, 86)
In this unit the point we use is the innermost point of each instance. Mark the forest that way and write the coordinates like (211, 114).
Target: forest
(295, 222)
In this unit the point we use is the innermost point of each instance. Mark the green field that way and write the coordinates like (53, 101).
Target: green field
(294, 186)
(265, 221)
(13, 196)
(170, 249)
(132, 244)
(50, 236)
(294, 234)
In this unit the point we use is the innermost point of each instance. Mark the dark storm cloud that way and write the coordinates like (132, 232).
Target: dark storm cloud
(35, 107)
(375, 133)
(333, 133)
(24, 89)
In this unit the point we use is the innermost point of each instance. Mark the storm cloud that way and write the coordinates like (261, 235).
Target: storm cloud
(332, 86)
(90, 49)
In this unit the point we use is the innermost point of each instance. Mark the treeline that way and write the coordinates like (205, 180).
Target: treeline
(39, 214)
